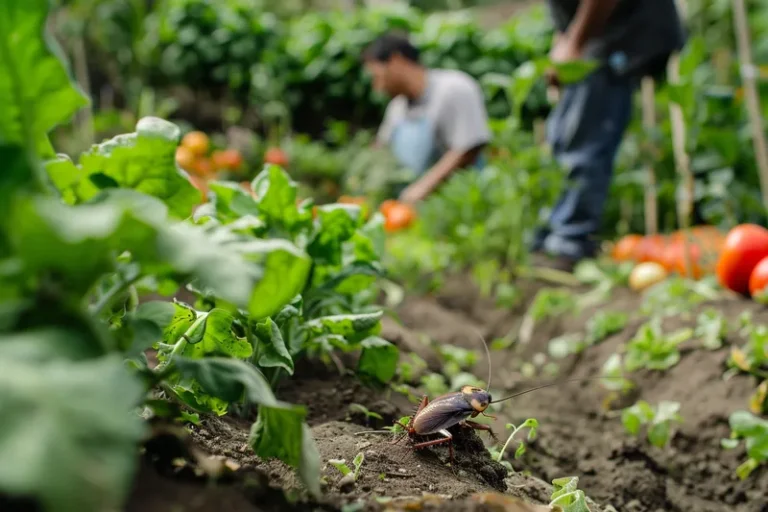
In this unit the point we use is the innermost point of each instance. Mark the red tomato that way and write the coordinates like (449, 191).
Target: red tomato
(743, 248)
(276, 156)
(387, 205)
(399, 216)
(758, 280)
(625, 249)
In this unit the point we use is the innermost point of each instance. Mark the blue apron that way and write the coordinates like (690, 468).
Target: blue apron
(413, 144)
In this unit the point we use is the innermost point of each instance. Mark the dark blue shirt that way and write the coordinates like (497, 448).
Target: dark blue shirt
(639, 35)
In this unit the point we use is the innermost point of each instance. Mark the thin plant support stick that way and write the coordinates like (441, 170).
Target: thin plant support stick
(752, 100)
(649, 123)
(682, 160)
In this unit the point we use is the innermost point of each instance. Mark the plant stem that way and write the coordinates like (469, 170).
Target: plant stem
(181, 344)
(113, 293)
(509, 440)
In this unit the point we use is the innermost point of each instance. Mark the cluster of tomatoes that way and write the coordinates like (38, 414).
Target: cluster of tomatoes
(194, 155)
(738, 258)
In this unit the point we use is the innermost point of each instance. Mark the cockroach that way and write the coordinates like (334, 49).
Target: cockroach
(457, 408)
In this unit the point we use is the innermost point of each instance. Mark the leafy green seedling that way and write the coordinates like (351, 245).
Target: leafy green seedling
(345, 470)
(532, 425)
(567, 344)
(660, 420)
(397, 428)
(712, 328)
(408, 370)
(567, 495)
(652, 349)
(604, 324)
(754, 431)
(462, 357)
(551, 303)
(677, 296)
(754, 354)
(361, 409)
(613, 369)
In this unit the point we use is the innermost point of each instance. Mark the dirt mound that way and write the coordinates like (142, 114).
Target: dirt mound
(578, 436)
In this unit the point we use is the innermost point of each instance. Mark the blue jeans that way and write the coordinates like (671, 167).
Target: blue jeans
(585, 130)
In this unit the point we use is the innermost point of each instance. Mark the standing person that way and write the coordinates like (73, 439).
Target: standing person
(435, 123)
(630, 39)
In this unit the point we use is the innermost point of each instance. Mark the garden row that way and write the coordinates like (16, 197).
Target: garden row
(310, 64)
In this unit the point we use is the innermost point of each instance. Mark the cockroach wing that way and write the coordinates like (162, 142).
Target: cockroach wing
(443, 412)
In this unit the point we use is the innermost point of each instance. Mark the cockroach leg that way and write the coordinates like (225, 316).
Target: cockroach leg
(407, 429)
(447, 439)
(488, 416)
(479, 426)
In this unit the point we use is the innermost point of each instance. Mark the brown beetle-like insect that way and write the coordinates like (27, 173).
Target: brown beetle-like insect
(445, 411)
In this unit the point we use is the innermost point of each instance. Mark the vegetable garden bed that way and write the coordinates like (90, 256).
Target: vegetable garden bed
(580, 433)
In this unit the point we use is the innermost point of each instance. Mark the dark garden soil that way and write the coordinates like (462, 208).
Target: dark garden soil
(579, 435)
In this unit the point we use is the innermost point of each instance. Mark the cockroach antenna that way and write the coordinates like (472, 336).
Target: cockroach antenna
(487, 356)
(556, 383)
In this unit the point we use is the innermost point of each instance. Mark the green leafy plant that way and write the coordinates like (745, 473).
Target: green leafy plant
(531, 424)
(567, 495)
(345, 470)
(712, 328)
(660, 420)
(653, 349)
(754, 431)
(82, 244)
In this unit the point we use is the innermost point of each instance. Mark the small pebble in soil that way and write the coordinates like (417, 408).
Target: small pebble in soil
(364, 445)
(347, 483)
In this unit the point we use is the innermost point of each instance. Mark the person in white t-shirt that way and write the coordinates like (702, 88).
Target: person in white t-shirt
(436, 121)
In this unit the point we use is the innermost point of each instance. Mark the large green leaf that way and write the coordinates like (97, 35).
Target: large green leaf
(353, 327)
(337, 224)
(218, 338)
(231, 201)
(378, 360)
(144, 161)
(68, 435)
(276, 198)
(174, 319)
(271, 346)
(36, 92)
(78, 243)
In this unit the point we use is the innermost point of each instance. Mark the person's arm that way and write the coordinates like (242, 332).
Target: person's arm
(589, 20)
(463, 122)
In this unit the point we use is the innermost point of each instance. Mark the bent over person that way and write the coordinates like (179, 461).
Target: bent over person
(435, 122)
(630, 39)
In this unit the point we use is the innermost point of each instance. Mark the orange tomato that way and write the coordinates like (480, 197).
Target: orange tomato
(203, 167)
(228, 159)
(398, 217)
(651, 248)
(197, 142)
(625, 249)
(276, 156)
(185, 158)
(387, 205)
(743, 248)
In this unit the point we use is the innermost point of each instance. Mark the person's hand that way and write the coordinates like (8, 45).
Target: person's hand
(563, 50)
(415, 192)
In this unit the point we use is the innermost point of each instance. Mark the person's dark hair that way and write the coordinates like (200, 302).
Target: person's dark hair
(387, 45)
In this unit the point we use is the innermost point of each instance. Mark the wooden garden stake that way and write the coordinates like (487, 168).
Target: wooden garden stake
(682, 161)
(649, 122)
(748, 76)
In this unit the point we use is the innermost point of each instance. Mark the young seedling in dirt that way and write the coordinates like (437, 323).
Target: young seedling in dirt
(752, 357)
(599, 327)
(754, 431)
(349, 476)
(660, 420)
(652, 349)
(548, 303)
(615, 382)
(568, 496)
(361, 409)
(677, 296)
(531, 424)
(408, 370)
(712, 328)
(758, 402)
